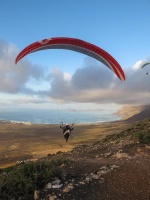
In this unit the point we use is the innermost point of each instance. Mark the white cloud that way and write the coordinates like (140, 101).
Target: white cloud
(67, 76)
(96, 83)
(138, 65)
(14, 77)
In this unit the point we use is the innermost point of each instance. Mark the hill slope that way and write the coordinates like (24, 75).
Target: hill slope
(116, 168)
(140, 116)
(129, 111)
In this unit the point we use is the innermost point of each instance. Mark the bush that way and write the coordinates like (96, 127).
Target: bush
(130, 129)
(120, 135)
(143, 137)
(22, 180)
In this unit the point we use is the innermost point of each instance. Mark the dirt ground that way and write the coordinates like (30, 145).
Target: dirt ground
(119, 170)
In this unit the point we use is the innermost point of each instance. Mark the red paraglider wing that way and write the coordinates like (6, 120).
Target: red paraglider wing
(78, 46)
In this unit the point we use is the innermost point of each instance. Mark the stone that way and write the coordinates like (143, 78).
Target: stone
(36, 195)
(95, 176)
(48, 186)
(57, 186)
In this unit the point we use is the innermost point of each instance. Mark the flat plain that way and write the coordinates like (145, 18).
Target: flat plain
(19, 142)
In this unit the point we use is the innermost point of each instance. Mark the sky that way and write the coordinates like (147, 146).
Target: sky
(51, 78)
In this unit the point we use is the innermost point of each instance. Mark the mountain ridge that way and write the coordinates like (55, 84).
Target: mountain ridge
(129, 111)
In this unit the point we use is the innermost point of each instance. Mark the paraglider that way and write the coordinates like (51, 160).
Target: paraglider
(78, 46)
(66, 130)
(148, 63)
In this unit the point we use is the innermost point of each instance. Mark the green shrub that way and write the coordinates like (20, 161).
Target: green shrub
(143, 137)
(121, 134)
(139, 136)
(139, 124)
(22, 180)
(59, 152)
(130, 129)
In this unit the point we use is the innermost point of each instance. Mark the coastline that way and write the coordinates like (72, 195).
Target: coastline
(56, 117)
(79, 123)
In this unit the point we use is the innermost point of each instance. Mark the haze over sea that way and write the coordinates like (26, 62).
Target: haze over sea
(53, 116)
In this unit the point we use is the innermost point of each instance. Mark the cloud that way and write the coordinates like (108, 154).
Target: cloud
(138, 65)
(25, 100)
(13, 78)
(91, 76)
(97, 84)
(31, 100)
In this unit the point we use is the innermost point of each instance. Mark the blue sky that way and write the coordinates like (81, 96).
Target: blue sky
(120, 27)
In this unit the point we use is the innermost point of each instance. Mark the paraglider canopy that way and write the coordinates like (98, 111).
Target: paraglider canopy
(148, 63)
(78, 46)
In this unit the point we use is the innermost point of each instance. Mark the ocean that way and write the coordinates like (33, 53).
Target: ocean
(52, 116)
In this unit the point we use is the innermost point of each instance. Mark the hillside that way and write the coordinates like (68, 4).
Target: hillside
(128, 111)
(140, 116)
(115, 168)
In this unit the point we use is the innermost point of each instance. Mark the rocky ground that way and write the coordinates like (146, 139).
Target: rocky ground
(117, 168)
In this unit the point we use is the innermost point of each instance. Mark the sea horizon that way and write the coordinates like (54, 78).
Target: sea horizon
(54, 116)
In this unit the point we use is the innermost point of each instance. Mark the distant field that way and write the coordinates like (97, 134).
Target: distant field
(22, 142)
